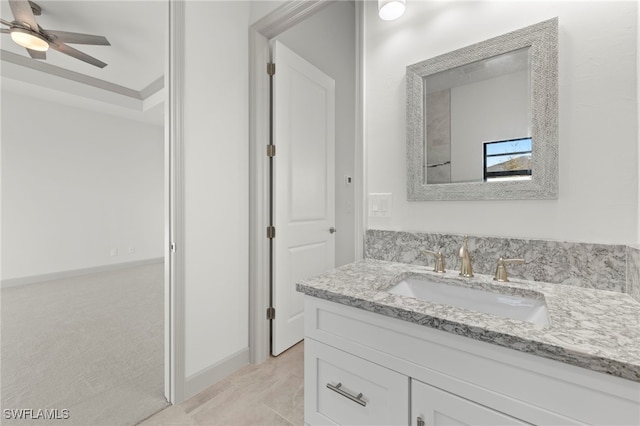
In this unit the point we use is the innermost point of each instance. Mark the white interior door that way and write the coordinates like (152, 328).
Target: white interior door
(304, 204)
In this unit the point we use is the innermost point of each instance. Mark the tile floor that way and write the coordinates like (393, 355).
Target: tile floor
(267, 394)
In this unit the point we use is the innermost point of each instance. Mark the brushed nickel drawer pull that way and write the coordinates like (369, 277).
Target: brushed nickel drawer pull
(336, 388)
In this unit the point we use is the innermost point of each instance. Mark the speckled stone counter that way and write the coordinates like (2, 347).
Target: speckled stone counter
(598, 266)
(633, 272)
(594, 329)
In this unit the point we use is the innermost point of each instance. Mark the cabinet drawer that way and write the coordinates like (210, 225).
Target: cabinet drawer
(334, 381)
(431, 406)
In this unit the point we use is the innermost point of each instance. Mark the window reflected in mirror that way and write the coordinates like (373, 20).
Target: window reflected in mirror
(507, 160)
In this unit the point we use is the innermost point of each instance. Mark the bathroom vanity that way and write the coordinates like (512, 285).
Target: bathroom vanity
(380, 358)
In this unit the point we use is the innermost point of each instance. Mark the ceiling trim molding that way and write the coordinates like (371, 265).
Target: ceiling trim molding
(46, 68)
(154, 87)
(288, 15)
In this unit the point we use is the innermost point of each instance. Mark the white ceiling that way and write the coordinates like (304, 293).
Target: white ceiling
(131, 83)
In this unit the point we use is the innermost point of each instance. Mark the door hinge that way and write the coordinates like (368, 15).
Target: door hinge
(271, 150)
(271, 313)
(172, 247)
(271, 68)
(271, 232)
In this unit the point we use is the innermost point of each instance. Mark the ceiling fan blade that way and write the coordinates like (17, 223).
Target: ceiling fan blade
(22, 12)
(36, 54)
(68, 50)
(7, 23)
(4, 31)
(78, 38)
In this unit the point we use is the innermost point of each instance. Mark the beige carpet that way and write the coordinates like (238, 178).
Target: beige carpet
(92, 345)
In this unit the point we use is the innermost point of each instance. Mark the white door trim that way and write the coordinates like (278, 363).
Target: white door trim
(260, 34)
(174, 372)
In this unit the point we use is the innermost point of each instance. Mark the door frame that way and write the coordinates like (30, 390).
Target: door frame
(260, 35)
(174, 346)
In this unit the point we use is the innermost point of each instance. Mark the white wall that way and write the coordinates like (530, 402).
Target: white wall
(216, 161)
(327, 40)
(75, 185)
(598, 141)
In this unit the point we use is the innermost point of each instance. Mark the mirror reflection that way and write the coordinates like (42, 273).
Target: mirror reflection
(478, 121)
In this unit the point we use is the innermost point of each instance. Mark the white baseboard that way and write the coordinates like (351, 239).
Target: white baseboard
(201, 380)
(33, 279)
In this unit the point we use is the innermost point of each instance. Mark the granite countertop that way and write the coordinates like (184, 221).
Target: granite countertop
(594, 329)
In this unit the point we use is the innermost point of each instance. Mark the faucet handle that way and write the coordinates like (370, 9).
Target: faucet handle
(466, 270)
(464, 249)
(439, 266)
(501, 269)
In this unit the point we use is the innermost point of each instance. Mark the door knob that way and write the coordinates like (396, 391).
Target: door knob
(332, 230)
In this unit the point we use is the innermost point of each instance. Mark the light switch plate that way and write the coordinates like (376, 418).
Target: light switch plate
(380, 205)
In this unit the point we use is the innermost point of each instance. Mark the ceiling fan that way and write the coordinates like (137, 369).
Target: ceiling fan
(26, 32)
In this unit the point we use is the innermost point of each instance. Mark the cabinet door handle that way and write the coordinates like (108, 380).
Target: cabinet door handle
(420, 421)
(337, 388)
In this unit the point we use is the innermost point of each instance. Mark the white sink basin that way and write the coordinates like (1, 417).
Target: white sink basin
(503, 305)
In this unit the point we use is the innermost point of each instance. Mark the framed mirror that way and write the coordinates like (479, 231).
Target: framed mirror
(482, 121)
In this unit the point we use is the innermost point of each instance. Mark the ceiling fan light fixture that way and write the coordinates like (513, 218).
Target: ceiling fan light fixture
(29, 39)
(388, 10)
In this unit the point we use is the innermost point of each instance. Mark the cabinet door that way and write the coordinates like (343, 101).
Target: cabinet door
(342, 389)
(431, 406)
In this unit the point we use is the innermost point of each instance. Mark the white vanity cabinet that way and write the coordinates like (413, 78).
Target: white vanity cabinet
(407, 374)
(431, 406)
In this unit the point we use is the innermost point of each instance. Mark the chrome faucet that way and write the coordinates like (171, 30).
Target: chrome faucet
(465, 268)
